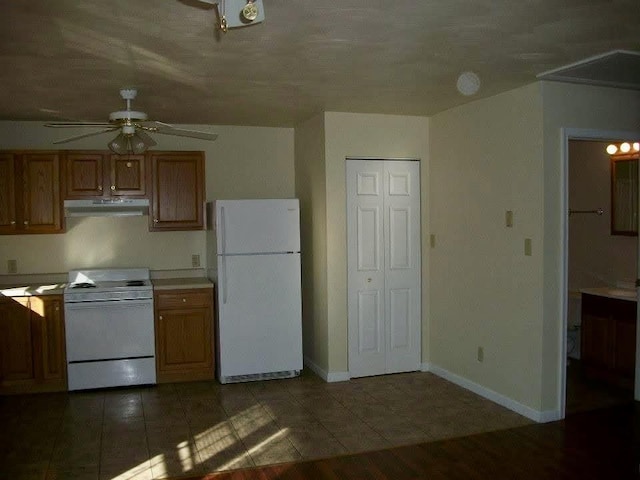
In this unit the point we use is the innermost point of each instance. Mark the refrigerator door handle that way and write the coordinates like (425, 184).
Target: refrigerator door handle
(221, 231)
(224, 279)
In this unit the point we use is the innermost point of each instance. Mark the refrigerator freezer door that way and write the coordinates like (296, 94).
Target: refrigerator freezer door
(257, 226)
(260, 316)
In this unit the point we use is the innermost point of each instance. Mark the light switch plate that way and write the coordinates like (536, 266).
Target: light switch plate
(195, 260)
(527, 247)
(432, 241)
(508, 218)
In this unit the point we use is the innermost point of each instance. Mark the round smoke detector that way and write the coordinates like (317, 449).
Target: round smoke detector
(468, 83)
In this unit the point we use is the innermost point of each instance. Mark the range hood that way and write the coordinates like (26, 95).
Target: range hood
(116, 207)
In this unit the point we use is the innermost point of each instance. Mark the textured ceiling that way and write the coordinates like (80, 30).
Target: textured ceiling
(66, 60)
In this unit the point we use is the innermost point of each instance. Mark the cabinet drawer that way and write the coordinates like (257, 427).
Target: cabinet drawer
(184, 298)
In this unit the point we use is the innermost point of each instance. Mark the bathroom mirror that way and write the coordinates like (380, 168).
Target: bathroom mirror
(624, 194)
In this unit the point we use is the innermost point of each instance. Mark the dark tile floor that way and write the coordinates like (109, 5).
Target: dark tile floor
(181, 429)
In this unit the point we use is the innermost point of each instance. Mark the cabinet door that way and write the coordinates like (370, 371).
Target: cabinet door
(184, 336)
(53, 346)
(625, 351)
(597, 341)
(184, 333)
(178, 191)
(16, 349)
(127, 173)
(42, 206)
(7, 194)
(84, 174)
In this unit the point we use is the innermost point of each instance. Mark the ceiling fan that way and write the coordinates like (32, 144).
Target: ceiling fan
(133, 127)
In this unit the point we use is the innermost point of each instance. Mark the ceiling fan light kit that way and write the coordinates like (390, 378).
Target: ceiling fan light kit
(133, 127)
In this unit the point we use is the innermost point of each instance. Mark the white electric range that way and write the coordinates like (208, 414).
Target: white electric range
(109, 328)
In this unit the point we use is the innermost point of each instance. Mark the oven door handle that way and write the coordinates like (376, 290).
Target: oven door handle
(109, 303)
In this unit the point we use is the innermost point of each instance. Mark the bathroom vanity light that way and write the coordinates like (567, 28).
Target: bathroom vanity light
(624, 147)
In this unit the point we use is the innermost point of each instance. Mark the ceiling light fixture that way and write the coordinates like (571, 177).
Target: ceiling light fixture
(624, 147)
(237, 13)
(127, 141)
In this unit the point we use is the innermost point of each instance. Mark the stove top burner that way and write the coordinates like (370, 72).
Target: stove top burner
(83, 285)
(135, 283)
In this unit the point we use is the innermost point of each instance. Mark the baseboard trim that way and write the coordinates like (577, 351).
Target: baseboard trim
(329, 377)
(530, 413)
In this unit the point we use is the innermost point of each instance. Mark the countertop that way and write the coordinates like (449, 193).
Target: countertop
(181, 283)
(31, 290)
(612, 292)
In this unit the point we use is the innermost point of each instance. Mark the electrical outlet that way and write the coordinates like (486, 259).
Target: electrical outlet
(432, 240)
(527, 247)
(195, 260)
(12, 266)
(480, 354)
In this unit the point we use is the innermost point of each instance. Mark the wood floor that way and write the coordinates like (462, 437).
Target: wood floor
(601, 444)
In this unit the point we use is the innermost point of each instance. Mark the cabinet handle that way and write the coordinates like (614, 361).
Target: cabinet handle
(184, 300)
(13, 222)
(100, 187)
(155, 220)
(160, 317)
(113, 187)
(26, 222)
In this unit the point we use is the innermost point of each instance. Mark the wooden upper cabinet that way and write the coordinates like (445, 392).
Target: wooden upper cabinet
(30, 193)
(100, 175)
(42, 206)
(84, 175)
(8, 213)
(128, 176)
(178, 191)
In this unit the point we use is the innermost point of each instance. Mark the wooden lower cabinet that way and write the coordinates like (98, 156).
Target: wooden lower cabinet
(184, 335)
(608, 348)
(32, 344)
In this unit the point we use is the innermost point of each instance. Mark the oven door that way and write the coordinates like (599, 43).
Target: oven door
(109, 330)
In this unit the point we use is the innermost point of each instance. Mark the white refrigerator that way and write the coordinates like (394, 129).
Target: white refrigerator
(259, 323)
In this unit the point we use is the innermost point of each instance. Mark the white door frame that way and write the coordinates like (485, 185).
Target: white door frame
(568, 134)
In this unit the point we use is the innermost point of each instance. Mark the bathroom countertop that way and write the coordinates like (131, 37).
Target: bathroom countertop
(612, 292)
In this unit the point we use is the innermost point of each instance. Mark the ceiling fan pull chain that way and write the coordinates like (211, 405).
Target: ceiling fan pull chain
(222, 19)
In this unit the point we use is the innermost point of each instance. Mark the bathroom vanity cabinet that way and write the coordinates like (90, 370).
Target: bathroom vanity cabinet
(609, 339)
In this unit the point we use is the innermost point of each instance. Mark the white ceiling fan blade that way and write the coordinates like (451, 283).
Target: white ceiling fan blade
(77, 124)
(167, 129)
(146, 139)
(78, 137)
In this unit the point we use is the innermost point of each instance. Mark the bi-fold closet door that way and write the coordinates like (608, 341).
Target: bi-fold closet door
(383, 238)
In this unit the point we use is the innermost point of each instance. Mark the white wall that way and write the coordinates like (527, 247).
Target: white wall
(568, 106)
(486, 158)
(358, 136)
(244, 162)
(312, 192)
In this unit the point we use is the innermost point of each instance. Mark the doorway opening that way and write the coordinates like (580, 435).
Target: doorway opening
(600, 315)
